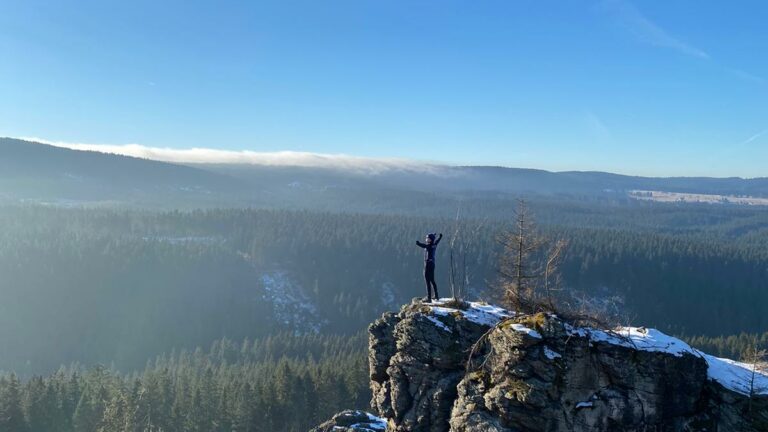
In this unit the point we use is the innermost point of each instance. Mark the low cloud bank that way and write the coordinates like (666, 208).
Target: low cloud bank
(246, 157)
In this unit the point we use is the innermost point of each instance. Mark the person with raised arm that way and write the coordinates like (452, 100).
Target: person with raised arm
(429, 264)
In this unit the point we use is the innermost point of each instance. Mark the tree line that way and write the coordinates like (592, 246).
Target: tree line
(119, 286)
(732, 346)
(283, 383)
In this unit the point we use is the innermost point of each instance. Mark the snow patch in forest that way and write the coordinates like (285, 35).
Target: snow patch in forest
(388, 295)
(184, 240)
(291, 305)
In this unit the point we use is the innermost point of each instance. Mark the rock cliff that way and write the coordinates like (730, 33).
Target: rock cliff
(538, 373)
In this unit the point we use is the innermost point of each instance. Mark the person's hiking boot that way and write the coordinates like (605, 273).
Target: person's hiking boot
(426, 300)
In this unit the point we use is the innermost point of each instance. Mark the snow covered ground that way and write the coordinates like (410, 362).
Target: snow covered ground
(388, 298)
(640, 338)
(291, 305)
(481, 313)
(733, 375)
(736, 376)
(551, 354)
(676, 197)
(439, 324)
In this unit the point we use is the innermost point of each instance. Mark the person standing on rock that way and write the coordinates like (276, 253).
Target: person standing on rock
(429, 264)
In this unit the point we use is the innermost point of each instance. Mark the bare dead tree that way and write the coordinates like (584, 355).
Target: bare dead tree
(460, 274)
(756, 357)
(603, 312)
(553, 280)
(455, 289)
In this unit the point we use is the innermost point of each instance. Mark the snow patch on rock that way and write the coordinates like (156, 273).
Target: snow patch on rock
(523, 329)
(550, 353)
(733, 375)
(439, 323)
(737, 376)
(373, 424)
(641, 338)
(477, 312)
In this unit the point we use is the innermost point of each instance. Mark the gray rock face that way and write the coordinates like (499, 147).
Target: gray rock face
(560, 382)
(555, 380)
(416, 362)
(536, 373)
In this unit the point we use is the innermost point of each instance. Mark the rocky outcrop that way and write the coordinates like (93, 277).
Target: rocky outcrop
(416, 361)
(558, 380)
(538, 373)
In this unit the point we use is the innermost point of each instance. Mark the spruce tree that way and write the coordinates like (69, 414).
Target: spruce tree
(11, 413)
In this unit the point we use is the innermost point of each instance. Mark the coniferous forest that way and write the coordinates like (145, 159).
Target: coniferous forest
(254, 319)
(225, 216)
(282, 382)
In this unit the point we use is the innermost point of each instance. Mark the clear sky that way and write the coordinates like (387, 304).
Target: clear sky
(652, 87)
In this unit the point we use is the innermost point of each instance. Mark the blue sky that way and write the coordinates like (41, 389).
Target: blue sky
(652, 88)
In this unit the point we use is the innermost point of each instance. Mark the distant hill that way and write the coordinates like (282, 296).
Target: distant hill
(39, 172)
(33, 171)
(436, 178)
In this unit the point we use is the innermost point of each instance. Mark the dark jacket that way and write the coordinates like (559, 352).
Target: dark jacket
(429, 249)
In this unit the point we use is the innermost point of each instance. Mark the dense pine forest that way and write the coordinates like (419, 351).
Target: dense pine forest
(280, 383)
(254, 216)
(733, 346)
(115, 287)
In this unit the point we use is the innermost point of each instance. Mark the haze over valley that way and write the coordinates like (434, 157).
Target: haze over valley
(358, 216)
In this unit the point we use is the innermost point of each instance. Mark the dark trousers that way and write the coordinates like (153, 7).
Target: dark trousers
(429, 278)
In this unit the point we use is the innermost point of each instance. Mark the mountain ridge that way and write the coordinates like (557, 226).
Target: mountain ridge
(38, 172)
(31, 170)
